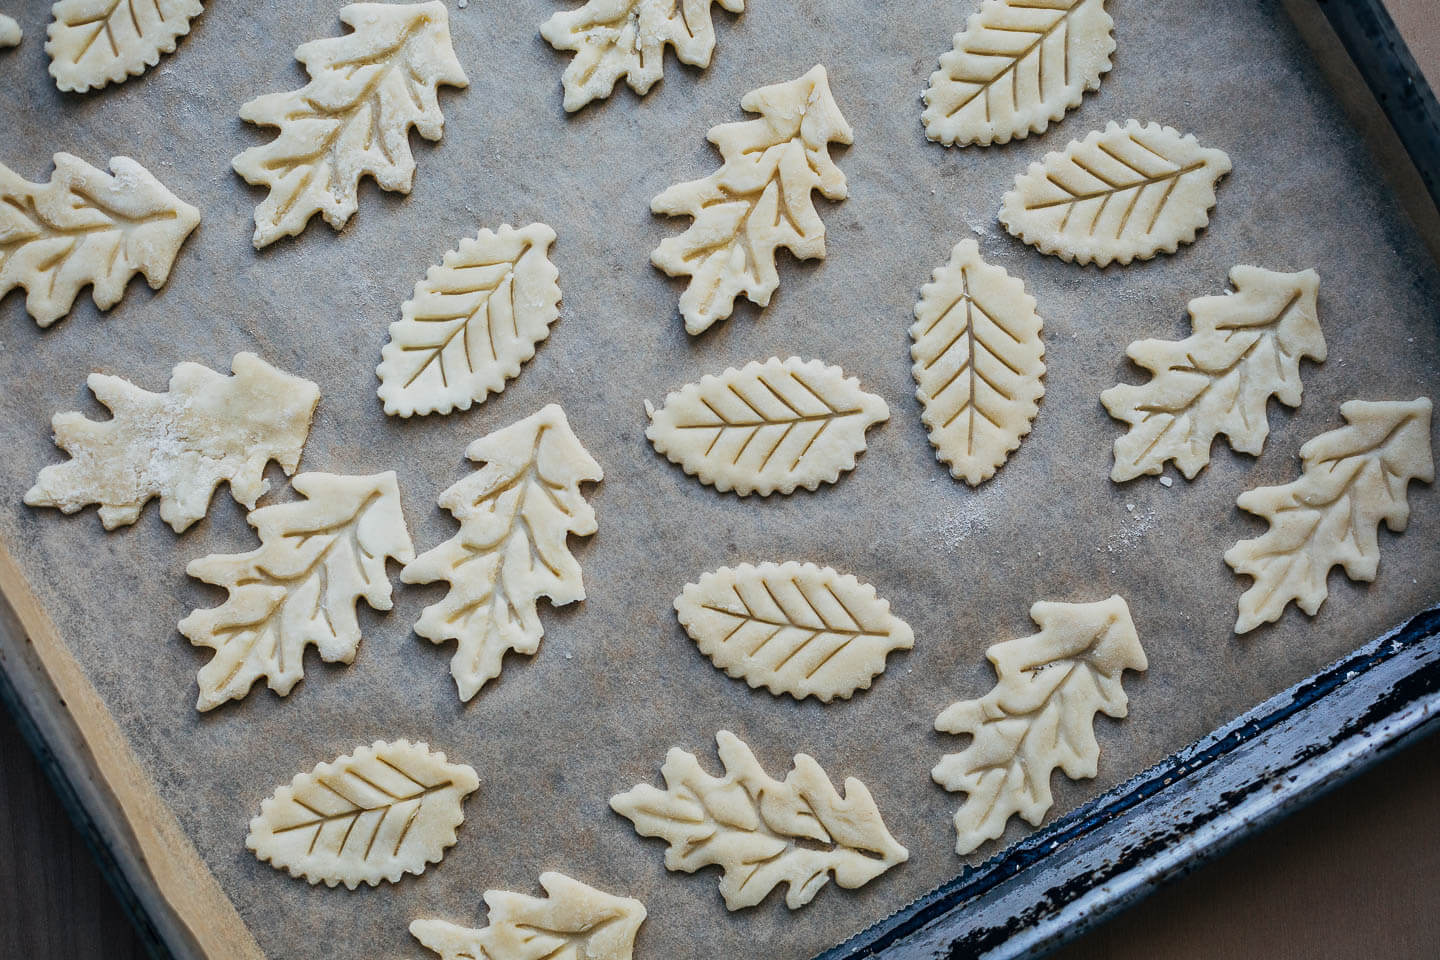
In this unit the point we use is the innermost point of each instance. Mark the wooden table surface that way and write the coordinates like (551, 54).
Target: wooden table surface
(1356, 875)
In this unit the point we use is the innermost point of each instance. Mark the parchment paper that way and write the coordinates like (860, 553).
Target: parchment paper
(616, 681)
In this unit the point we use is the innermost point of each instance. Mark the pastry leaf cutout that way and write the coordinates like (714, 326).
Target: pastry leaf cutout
(792, 628)
(573, 922)
(353, 119)
(1120, 194)
(759, 831)
(316, 558)
(757, 202)
(627, 38)
(179, 445)
(10, 32)
(1016, 68)
(94, 42)
(1353, 479)
(977, 363)
(471, 323)
(769, 427)
(515, 513)
(375, 814)
(1246, 347)
(87, 227)
(1039, 716)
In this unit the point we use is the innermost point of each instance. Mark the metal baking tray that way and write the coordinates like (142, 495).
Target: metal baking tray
(1107, 843)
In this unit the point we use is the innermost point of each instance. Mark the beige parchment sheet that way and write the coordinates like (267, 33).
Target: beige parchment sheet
(616, 681)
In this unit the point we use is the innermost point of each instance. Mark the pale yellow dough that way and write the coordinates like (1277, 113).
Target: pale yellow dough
(758, 201)
(316, 558)
(375, 814)
(1353, 479)
(87, 226)
(768, 427)
(95, 42)
(471, 323)
(792, 628)
(10, 32)
(1246, 347)
(178, 445)
(1016, 68)
(759, 831)
(1121, 194)
(977, 363)
(573, 922)
(330, 132)
(1039, 716)
(515, 513)
(627, 38)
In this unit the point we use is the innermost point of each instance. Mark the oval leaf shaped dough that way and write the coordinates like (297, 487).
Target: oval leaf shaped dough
(376, 814)
(1246, 347)
(769, 427)
(1120, 194)
(471, 323)
(627, 38)
(1353, 479)
(574, 922)
(977, 363)
(94, 42)
(1017, 68)
(1040, 715)
(760, 831)
(792, 628)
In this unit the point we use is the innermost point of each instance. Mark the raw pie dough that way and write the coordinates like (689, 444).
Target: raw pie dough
(1246, 347)
(757, 202)
(1354, 478)
(178, 445)
(977, 363)
(87, 226)
(10, 32)
(627, 38)
(1120, 194)
(1039, 716)
(471, 323)
(759, 831)
(95, 42)
(515, 513)
(573, 922)
(1017, 68)
(316, 558)
(376, 814)
(366, 90)
(769, 427)
(792, 628)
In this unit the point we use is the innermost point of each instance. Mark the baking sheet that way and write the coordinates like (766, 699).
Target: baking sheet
(616, 681)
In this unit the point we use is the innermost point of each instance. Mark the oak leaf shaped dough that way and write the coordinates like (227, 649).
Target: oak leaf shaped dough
(768, 427)
(760, 831)
(1039, 715)
(515, 513)
(627, 38)
(1017, 68)
(758, 201)
(792, 628)
(1353, 478)
(10, 32)
(375, 814)
(178, 445)
(86, 226)
(353, 119)
(1120, 194)
(94, 42)
(1246, 347)
(977, 363)
(316, 558)
(471, 323)
(573, 921)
